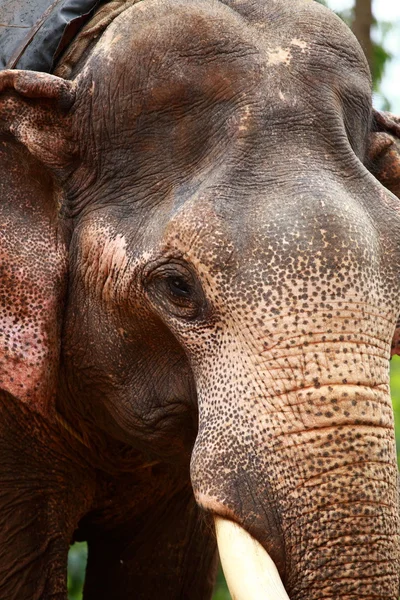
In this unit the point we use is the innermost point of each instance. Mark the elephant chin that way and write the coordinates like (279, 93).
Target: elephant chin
(250, 572)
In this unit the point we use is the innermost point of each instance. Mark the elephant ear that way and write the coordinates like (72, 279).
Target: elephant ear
(384, 163)
(384, 151)
(33, 114)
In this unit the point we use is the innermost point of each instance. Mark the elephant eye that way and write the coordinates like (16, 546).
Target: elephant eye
(178, 287)
(173, 288)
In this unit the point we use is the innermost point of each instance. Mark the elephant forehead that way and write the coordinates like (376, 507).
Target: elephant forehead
(223, 46)
(198, 92)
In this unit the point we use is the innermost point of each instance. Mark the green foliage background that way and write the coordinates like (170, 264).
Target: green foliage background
(395, 387)
(78, 553)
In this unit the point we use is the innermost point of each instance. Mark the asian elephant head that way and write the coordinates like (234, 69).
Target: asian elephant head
(223, 297)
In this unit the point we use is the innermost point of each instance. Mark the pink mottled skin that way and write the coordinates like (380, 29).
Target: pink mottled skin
(28, 373)
(33, 266)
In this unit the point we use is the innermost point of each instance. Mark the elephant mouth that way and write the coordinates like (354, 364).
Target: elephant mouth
(250, 572)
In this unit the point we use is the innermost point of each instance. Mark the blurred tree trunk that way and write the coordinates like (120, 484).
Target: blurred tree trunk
(361, 26)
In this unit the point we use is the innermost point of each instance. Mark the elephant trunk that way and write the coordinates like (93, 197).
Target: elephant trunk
(340, 524)
(311, 474)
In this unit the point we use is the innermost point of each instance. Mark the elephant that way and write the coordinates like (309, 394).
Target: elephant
(199, 299)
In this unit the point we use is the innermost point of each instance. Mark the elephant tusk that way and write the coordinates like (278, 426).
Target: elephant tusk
(250, 572)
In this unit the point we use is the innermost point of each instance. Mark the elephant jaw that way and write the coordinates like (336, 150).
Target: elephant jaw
(250, 572)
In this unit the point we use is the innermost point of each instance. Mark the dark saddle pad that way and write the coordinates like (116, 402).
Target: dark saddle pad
(34, 32)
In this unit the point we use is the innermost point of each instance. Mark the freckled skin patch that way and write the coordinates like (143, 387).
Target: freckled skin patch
(300, 43)
(31, 290)
(233, 296)
(104, 259)
(279, 56)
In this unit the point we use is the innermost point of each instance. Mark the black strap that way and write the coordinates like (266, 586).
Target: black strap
(34, 32)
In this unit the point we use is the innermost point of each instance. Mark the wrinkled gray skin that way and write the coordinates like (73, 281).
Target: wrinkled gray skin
(223, 291)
